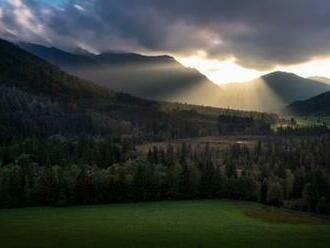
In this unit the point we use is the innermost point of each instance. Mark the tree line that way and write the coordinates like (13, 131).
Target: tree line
(293, 172)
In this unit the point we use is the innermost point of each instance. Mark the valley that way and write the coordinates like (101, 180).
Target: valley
(164, 124)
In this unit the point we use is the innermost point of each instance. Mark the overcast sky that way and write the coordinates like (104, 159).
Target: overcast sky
(226, 39)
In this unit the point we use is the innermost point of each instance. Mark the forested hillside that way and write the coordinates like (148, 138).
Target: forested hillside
(315, 106)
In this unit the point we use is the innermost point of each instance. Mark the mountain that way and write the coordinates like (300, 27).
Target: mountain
(38, 99)
(30, 73)
(151, 77)
(318, 105)
(272, 92)
(163, 78)
(321, 79)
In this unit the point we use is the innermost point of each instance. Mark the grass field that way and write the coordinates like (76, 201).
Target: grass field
(209, 223)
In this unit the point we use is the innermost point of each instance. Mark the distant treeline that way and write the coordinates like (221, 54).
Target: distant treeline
(292, 172)
(296, 130)
(231, 124)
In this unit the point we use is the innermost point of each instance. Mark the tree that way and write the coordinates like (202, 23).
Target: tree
(288, 184)
(322, 207)
(190, 181)
(173, 180)
(307, 197)
(275, 194)
(207, 184)
(248, 188)
(83, 190)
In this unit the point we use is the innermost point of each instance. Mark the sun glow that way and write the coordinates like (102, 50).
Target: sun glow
(316, 67)
(220, 72)
(227, 71)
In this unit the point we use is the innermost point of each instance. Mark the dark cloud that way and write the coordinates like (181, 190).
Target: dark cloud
(258, 33)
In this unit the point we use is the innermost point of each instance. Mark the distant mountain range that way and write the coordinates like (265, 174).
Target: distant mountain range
(151, 77)
(37, 99)
(163, 78)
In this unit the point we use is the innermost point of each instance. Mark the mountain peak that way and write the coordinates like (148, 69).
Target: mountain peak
(124, 57)
(277, 74)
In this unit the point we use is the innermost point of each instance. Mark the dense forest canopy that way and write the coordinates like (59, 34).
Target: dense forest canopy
(281, 171)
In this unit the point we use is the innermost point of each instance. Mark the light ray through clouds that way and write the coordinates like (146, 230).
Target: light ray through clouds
(221, 72)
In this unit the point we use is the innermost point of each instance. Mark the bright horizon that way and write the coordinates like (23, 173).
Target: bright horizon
(227, 71)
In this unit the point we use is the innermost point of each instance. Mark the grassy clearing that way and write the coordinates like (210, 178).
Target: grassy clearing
(218, 142)
(209, 223)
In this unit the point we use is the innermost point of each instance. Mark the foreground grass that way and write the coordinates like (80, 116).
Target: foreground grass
(209, 223)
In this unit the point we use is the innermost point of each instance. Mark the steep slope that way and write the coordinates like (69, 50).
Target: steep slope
(152, 77)
(272, 92)
(318, 105)
(24, 70)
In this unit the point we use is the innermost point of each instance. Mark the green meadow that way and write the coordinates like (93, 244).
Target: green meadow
(205, 223)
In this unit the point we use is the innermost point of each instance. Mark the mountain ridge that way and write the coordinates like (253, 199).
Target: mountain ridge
(165, 79)
(317, 105)
(152, 77)
(321, 79)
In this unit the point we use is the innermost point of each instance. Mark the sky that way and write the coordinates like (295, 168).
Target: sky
(227, 40)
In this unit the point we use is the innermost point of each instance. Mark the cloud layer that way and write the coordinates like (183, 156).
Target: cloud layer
(257, 33)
